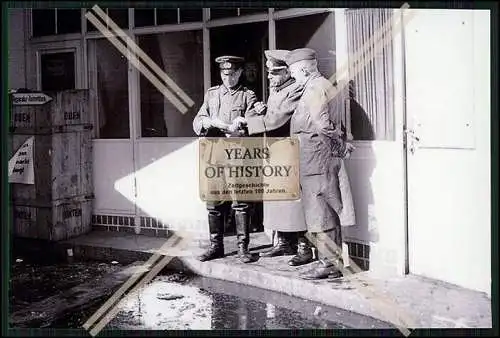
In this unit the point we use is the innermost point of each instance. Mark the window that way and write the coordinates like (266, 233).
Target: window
(191, 15)
(372, 111)
(58, 71)
(44, 22)
(220, 13)
(180, 56)
(108, 81)
(166, 16)
(118, 15)
(69, 21)
(144, 17)
(316, 31)
(56, 21)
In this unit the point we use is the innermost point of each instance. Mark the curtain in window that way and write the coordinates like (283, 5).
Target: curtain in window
(371, 89)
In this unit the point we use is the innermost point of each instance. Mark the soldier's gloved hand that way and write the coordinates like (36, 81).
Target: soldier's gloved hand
(220, 125)
(206, 123)
(237, 123)
(349, 148)
(259, 107)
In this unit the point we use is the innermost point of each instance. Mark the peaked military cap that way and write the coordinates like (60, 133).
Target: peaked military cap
(276, 59)
(228, 63)
(300, 54)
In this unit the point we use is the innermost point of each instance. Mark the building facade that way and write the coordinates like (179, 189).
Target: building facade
(418, 115)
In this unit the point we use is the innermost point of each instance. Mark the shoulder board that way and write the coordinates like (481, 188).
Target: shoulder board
(245, 89)
(214, 88)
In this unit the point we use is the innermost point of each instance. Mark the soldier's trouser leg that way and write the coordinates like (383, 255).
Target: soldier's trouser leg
(216, 227)
(242, 220)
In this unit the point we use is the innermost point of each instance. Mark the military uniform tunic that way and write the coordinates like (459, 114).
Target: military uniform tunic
(223, 104)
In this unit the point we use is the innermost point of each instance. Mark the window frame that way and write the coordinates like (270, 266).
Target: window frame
(80, 40)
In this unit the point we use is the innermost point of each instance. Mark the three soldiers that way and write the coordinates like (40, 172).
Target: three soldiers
(302, 104)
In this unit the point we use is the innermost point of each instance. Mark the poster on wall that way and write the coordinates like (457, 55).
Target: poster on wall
(21, 164)
(58, 71)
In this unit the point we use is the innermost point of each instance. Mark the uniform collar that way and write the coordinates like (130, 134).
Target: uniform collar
(312, 77)
(231, 91)
(285, 84)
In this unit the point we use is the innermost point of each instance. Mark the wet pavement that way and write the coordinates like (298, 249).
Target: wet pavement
(171, 301)
(32, 280)
(179, 302)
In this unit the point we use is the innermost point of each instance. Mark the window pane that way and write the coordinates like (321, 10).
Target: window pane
(58, 71)
(191, 15)
(218, 13)
(180, 56)
(44, 22)
(166, 16)
(119, 16)
(108, 80)
(144, 17)
(69, 21)
(90, 25)
(246, 11)
(312, 31)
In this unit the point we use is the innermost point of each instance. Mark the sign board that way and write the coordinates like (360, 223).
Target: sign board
(249, 169)
(30, 99)
(21, 164)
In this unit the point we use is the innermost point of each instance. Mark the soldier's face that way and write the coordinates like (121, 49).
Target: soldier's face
(298, 73)
(277, 77)
(231, 80)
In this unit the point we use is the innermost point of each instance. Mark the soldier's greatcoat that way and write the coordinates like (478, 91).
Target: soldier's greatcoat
(285, 216)
(317, 123)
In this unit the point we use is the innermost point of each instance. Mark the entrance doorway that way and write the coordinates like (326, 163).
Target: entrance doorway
(448, 154)
(248, 41)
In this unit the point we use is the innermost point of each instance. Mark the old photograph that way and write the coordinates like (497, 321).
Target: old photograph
(248, 168)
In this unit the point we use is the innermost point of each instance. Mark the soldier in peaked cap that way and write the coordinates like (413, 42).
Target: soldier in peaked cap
(285, 218)
(316, 122)
(221, 105)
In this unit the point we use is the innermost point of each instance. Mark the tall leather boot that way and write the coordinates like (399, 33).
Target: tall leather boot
(243, 235)
(282, 248)
(304, 253)
(216, 249)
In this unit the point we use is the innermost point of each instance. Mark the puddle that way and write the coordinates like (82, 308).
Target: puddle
(178, 302)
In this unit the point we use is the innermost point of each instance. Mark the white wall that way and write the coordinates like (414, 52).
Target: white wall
(113, 169)
(17, 59)
(167, 183)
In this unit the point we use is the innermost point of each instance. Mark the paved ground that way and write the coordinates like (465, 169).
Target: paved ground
(405, 301)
